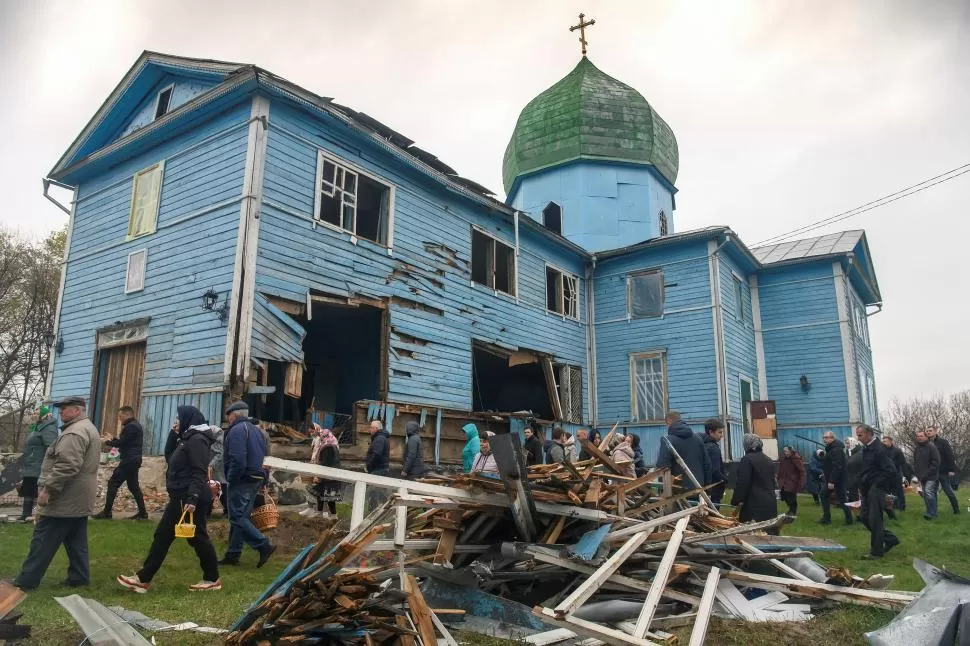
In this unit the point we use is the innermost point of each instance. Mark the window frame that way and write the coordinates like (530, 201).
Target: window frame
(663, 224)
(563, 275)
(128, 288)
(158, 167)
(629, 292)
(559, 369)
(495, 240)
(634, 407)
(170, 88)
(323, 155)
(738, 285)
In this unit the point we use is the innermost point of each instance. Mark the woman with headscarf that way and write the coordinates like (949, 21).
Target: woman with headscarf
(622, 455)
(755, 488)
(42, 434)
(188, 453)
(816, 475)
(328, 491)
(791, 478)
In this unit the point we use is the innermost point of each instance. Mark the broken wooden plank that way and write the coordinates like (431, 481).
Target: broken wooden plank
(510, 460)
(449, 538)
(549, 637)
(10, 597)
(595, 451)
(778, 565)
(660, 580)
(690, 476)
(650, 525)
(618, 579)
(590, 629)
(419, 610)
(890, 600)
(449, 640)
(590, 585)
(699, 632)
(552, 535)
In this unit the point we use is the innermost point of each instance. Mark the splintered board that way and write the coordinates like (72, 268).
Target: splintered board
(775, 543)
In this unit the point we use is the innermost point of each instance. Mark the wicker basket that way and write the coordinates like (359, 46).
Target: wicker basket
(185, 529)
(266, 516)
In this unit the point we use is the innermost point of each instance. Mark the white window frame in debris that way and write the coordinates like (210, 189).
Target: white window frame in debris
(562, 292)
(569, 386)
(146, 191)
(651, 384)
(645, 294)
(349, 199)
(485, 262)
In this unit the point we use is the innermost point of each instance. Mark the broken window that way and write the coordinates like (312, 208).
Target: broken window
(135, 275)
(493, 263)
(352, 201)
(163, 101)
(645, 294)
(648, 374)
(662, 221)
(552, 217)
(145, 191)
(562, 292)
(569, 384)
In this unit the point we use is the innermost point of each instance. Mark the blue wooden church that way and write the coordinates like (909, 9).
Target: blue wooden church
(234, 234)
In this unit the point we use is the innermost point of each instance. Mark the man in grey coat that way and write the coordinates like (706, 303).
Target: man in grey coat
(413, 452)
(68, 486)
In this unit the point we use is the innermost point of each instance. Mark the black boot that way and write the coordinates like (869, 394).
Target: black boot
(109, 503)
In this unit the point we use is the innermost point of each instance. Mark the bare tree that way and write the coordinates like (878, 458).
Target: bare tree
(949, 414)
(29, 280)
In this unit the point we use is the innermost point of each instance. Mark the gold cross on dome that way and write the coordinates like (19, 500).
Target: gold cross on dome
(583, 24)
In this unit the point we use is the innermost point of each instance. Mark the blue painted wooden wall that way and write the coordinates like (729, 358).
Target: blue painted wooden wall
(429, 264)
(685, 331)
(604, 205)
(183, 90)
(192, 250)
(799, 319)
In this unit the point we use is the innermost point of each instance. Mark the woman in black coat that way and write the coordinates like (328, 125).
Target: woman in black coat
(755, 488)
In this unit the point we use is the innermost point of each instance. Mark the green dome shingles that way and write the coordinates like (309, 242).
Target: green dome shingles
(589, 115)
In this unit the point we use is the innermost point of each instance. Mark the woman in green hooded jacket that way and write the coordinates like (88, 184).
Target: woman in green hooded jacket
(472, 446)
(42, 435)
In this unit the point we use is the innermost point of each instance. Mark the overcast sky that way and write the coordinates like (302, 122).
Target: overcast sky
(785, 112)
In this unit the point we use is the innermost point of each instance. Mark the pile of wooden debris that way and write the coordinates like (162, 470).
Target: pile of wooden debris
(544, 554)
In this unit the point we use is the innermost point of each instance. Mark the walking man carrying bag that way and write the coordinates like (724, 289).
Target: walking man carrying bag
(245, 450)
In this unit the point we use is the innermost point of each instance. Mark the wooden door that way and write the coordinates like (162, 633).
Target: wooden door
(120, 383)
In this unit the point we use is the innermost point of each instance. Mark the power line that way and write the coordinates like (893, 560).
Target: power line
(953, 173)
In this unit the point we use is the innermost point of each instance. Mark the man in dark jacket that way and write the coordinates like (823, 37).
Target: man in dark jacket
(689, 447)
(129, 445)
(413, 452)
(899, 460)
(713, 432)
(875, 481)
(948, 467)
(533, 447)
(245, 450)
(926, 468)
(833, 470)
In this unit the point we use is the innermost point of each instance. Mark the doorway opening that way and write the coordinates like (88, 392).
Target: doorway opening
(119, 374)
(505, 380)
(344, 361)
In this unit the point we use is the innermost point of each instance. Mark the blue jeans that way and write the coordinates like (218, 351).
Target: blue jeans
(242, 496)
(929, 496)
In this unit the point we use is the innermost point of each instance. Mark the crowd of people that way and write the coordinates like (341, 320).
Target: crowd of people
(203, 464)
(206, 463)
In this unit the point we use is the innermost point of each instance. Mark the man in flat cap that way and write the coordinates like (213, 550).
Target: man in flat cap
(67, 488)
(245, 449)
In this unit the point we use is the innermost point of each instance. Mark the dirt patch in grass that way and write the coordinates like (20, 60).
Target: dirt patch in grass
(292, 533)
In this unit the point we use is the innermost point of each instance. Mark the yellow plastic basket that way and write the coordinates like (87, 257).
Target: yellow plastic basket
(185, 529)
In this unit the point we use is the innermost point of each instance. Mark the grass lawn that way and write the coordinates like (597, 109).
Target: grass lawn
(119, 547)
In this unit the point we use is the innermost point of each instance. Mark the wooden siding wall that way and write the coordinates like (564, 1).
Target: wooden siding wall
(191, 251)
(276, 336)
(158, 412)
(862, 352)
(740, 357)
(436, 311)
(685, 331)
(184, 90)
(806, 439)
(799, 318)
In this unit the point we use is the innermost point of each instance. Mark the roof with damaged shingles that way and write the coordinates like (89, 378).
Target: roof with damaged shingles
(833, 244)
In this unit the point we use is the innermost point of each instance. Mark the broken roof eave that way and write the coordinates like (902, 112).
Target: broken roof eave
(147, 57)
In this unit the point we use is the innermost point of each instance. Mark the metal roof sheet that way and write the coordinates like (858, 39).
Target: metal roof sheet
(832, 244)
